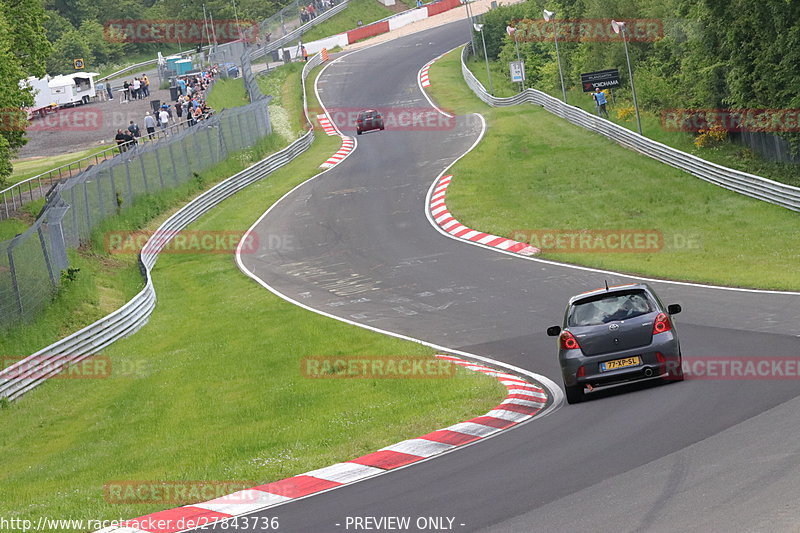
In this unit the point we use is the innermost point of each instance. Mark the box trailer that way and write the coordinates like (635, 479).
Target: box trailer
(73, 89)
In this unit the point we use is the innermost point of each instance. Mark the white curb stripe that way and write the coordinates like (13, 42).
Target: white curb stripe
(242, 502)
(511, 416)
(532, 394)
(344, 472)
(419, 447)
(471, 428)
(527, 403)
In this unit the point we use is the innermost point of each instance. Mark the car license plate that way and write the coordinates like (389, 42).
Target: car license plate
(620, 363)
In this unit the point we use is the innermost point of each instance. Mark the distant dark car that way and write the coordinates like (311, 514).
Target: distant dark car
(369, 120)
(616, 335)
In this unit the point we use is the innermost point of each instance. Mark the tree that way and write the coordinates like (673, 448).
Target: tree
(72, 45)
(23, 46)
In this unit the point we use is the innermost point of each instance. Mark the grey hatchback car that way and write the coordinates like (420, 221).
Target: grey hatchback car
(616, 335)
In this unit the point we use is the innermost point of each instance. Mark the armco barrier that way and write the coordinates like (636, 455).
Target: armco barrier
(34, 370)
(734, 180)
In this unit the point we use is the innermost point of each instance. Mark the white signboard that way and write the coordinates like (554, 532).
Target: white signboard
(517, 71)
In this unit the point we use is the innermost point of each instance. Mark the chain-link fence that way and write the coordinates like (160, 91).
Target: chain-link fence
(32, 264)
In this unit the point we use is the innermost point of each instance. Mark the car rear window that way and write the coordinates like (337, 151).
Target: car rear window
(606, 308)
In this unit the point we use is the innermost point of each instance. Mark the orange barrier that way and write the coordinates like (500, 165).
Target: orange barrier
(368, 31)
(441, 7)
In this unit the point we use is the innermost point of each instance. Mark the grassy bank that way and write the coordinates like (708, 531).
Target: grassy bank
(227, 93)
(286, 106)
(212, 389)
(552, 175)
(724, 153)
(33, 166)
(366, 11)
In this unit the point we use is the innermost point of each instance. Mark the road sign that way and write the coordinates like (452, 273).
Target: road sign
(78, 63)
(605, 79)
(517, 71)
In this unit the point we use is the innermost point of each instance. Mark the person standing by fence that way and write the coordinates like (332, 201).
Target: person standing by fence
(135, 131)
(163, 118)
(150, 124)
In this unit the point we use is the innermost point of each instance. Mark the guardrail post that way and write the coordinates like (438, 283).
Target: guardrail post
(223, 148)
(158, 165)
(210, 144)
(114, 204)
(88, 209)
(46, 256)
(174, 167)
(186, 154)
(73, 207)
(144, 173)
(239, 121)
(13, 273)
(128, 176)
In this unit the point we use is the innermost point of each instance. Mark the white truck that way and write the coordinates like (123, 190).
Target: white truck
(60, 91)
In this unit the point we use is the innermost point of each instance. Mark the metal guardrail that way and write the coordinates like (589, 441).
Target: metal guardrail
(35, 369)
(741, 182)
(297, 32)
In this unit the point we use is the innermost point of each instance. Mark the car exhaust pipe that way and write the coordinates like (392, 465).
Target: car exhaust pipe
(648, 372)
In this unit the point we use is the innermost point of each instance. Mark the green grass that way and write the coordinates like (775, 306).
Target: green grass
(727, 154)
(552, 175)
(211, 389)
(367, 11)
(33, 166)
(11, 227)
(286, 106)
(228, 93)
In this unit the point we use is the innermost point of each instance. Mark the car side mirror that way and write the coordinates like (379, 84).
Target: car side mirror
(553, 331)
(674, 309)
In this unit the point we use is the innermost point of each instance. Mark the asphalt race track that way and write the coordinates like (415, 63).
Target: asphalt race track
(651, 458)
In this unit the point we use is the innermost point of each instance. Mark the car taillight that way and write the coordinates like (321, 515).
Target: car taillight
(660, 358)
(662, 324)
(567, 341)
(581, 372)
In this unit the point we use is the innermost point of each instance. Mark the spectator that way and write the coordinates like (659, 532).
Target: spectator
(312, 13)
(135, 86)
(123, 140)
(127, 88)
(110, 91)
(150, 124)
(600, 102)
(134, 129)
(163, 118)
(179, 108)
(305, 53)
(146, 85)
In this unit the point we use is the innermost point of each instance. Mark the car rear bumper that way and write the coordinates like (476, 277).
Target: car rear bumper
(651, 364)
